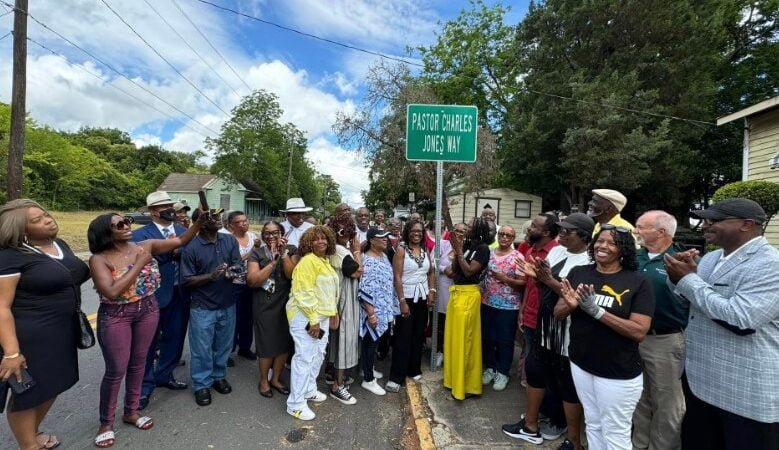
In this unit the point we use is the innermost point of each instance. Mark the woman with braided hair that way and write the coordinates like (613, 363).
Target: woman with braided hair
(462, 336)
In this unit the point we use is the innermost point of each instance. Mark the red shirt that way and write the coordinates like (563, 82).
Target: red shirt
(530, 304)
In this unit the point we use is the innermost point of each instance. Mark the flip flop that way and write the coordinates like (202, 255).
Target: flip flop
(102, 439)
(283, 390)
(49, 444)
(142, 423)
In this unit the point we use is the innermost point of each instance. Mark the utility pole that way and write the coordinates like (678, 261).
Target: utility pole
(18, 90)
(289, 175)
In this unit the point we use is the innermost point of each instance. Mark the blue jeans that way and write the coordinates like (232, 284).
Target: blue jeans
(210, 341)
(498, 328)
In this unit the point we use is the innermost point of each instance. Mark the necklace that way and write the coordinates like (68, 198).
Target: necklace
(420, 260)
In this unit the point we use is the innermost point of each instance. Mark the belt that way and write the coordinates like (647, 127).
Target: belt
(664, 331)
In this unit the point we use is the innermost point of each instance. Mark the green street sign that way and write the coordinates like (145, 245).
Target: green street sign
(441, 133)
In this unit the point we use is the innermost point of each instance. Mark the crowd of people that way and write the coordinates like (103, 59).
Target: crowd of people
(647, 344)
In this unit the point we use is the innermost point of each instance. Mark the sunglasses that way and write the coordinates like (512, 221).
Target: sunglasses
(501, 234)
(608, 226)
(567, 231)
(123, 224)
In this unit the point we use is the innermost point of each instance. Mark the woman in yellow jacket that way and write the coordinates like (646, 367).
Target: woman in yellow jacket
(312, 310)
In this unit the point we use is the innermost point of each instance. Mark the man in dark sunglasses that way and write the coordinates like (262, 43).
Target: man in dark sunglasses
(732, 339)
(605, 206)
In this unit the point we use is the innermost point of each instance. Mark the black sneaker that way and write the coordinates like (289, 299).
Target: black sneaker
(519, 431)
(566, 445)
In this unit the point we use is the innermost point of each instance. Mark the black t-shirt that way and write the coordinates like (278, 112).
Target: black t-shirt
(481, 254)
(594, 346)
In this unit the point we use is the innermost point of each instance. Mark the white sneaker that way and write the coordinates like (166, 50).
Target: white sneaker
(500, 382)
(439, 359)
(391, 386)
(302, 414)
(317, 397)
(378, 375)
(374, 387)
(487, 376)
(417, 377)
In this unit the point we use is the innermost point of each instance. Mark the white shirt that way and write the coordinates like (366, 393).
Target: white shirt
(171, 230)
(362, 235)
(572, 260)
(293, 234)
(724, 258)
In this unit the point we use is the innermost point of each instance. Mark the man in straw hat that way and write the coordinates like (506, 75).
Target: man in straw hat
(174, 309)
(295, 225)
(731, 384)
(605, 206)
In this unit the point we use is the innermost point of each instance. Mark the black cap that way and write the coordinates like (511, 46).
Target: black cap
(740, 208)
(374, 232)
(578, 221)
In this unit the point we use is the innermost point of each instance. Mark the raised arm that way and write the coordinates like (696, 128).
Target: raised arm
(160, 246)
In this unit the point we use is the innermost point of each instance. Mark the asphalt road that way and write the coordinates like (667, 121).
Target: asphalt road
(242, 419)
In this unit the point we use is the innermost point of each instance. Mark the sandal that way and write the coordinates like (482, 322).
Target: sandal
(141, 423)
(50, 443)
(105, 440)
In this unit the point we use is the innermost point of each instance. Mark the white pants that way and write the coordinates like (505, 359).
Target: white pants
(608, 408)
(308, 358)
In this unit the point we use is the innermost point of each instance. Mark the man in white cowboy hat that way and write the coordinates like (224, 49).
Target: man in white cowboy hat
(174, 307)
(295, 225)
(605, 206)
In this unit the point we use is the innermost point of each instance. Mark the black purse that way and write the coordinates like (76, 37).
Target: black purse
(86, 335)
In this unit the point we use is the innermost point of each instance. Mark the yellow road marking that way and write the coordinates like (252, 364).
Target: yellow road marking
(424, 431)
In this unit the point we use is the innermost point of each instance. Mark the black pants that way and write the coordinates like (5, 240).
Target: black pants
(244, 319)
(707, 427)
(408, 341)
(368, 356)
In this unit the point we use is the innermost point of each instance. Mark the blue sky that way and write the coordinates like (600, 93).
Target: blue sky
(313, 79)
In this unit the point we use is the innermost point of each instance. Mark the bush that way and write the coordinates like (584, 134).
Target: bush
(765, 193)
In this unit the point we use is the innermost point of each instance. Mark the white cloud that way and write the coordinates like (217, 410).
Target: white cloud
(378, 22)
(346, 167)
(144, 139)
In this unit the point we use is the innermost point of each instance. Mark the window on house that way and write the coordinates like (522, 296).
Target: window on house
(224, 201)
(522, 209)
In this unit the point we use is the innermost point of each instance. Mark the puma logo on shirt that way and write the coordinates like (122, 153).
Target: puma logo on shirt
(607, 301)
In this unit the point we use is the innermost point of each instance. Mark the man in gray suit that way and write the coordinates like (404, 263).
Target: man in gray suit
(732, 340)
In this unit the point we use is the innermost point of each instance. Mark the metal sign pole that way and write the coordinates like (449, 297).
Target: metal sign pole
(439, 188)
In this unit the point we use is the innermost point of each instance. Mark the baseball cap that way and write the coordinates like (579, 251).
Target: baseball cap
(740, 208)
(374, 232)
(578, 221)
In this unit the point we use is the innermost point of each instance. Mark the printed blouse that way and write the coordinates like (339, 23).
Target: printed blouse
(496, 293)
(147, 282)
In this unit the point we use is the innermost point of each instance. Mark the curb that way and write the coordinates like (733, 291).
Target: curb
(418, 411)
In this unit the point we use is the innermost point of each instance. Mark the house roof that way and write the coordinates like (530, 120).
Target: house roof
(761, 107)
(185, 182)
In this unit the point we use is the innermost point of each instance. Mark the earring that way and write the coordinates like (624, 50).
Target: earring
(25, 240)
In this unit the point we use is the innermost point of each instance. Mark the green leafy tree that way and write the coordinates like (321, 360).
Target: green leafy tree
(254, 145)
(329, 192)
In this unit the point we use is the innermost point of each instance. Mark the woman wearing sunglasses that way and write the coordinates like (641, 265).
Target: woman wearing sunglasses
(125, 276)
(611, 307)
(270, 277)
(502, 298)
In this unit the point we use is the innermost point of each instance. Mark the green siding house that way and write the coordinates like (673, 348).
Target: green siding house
(220, 193)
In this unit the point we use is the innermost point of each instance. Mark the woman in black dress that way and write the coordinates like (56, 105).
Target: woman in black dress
(270, 274)
(40, 281)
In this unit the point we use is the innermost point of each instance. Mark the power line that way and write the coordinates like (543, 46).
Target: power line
(191, 48)
(5, 13)
(186, 16)
(117, 87)
(6, 35)
(165, 59)
(313, 36)
(112, 68)
(622, 108)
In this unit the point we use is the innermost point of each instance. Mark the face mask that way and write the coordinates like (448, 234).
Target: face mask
(168, 215)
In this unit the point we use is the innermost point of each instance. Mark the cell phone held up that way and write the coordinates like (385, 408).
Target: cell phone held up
(19, 387)
(321, 331)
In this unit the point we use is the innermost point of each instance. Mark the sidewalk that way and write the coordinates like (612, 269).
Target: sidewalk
(476, 422)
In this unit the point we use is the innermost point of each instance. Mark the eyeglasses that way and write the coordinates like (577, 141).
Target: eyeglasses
(123, 224)
(510, 235)
(619, 229)
(268, 234)
(567, 231)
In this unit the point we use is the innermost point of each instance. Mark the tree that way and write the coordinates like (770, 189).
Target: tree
(377, 129)
(765, 193)
(330, 192)
(254, 145)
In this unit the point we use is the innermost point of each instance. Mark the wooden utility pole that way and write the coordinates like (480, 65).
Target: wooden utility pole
(18, 91)
(289, 175)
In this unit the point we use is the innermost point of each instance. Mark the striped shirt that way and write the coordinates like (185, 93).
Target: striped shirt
(315, 289)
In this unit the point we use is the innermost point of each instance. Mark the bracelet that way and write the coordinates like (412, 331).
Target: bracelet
(14, 356)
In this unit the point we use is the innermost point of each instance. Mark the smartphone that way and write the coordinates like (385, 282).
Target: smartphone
(321, 331)
(20, 387)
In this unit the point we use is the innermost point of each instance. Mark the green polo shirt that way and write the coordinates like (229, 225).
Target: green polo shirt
(670, 313)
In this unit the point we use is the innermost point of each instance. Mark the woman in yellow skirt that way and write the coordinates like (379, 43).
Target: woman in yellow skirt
(462, 336)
